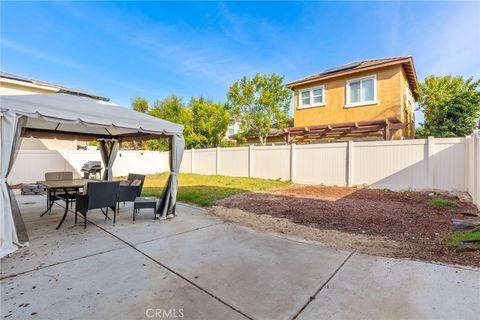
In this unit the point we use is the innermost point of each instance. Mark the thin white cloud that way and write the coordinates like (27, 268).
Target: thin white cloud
(448, 42)
(171, 48)
(37, 54)
(232, 25)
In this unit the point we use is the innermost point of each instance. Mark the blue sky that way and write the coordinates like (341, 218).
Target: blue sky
(126, 49)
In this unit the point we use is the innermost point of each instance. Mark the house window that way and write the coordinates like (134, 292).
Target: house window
(313, 97)
(305, 98)
(361, 91)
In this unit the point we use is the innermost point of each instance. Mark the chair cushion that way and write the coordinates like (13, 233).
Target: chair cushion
(136, 182)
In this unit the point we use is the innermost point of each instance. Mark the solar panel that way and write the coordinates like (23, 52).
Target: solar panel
(343, 67)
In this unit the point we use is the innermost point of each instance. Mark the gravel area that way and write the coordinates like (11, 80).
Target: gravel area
(399, 224)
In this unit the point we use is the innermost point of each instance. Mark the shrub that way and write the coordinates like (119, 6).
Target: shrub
(443, 202)
(453, 239)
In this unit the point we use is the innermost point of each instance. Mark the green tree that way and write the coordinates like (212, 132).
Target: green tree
(204, 122)
(172, 109)
(209, 123)
(140, 104)
(260, 103)
(451, 106)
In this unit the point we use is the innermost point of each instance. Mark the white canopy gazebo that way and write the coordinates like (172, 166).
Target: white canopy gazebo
(69, 117)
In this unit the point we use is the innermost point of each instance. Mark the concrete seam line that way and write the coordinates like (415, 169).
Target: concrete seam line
(178, 234)
(171, 270)
(323, 286)
(192, 206)
(164, 237)
(306, 242)
(59, 263)
(175, 273)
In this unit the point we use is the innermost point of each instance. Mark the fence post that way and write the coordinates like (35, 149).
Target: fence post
(476, 168)
(467, 160)
(350, 159)
(250, 161)
(192, 162)
(292, 163)
(430, 164)
(217, 167)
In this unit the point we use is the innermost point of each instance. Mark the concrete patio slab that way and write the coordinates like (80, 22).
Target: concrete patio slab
(48, 246)
(121, 284)
(368, 287)
(188, 218)
(213, 270)
(264, 276)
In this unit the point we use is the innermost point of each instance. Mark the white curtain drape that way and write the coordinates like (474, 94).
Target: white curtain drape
(108, 150)
(169, 196)
(11, 126)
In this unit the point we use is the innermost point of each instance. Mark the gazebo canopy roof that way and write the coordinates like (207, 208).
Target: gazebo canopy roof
(65, 116)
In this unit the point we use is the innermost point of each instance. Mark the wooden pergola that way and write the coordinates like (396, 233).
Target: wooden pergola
(384, 128)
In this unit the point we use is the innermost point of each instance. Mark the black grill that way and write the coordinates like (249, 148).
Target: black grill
(91, 169)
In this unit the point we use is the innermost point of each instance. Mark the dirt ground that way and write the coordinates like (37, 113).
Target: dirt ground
(386, 223)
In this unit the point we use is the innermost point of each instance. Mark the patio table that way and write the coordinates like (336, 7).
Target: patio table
(64, 185)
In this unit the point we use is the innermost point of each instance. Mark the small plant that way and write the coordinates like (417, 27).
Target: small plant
(453, 240)
(443, 202)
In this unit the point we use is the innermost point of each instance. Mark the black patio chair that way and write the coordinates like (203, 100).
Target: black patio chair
(130, 192)
(54, 195)
(99, 195)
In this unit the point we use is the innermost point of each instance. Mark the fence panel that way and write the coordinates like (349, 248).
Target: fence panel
(31, 165)
(141, 162)
(205, 161)
(315, 164)
(451, 164)
(391, 164)
(271, 162)
(234, 162)
(186, 166)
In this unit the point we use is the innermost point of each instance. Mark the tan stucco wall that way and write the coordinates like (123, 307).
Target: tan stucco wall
(11, 87)
(408, 107)
(48, 144)
(390, 81)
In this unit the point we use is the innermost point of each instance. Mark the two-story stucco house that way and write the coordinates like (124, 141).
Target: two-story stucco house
(370, 99)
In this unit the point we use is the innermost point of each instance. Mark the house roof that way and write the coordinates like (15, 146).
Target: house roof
(363, 65)
(62, 89)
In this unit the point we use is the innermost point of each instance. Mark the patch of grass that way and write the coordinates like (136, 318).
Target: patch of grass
(453, 239)
(205, 190)
(443, 202)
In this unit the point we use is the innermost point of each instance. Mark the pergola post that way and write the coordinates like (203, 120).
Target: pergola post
(169, 196)
(108, 150)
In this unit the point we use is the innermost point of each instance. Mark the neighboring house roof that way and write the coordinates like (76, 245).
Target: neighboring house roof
(61, 89)
(363, 65)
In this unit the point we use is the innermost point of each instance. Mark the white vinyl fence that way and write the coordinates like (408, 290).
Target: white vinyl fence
(451, 164)
(31, 165)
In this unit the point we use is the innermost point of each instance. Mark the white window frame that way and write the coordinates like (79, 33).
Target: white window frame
(311, 105)
(361, 103)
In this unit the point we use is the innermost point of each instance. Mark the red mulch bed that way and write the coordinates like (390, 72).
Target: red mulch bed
(407, 217)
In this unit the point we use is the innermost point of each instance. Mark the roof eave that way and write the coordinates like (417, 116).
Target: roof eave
(294, 84)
